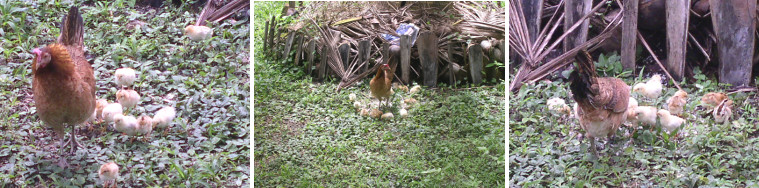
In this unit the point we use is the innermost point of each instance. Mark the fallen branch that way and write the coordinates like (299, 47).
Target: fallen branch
(656, 59)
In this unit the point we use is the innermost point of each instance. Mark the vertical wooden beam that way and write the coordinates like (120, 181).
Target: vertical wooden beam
(574, 10)
(677, 35)
(532, 10)
(405, 58)
(266, 36)
(428, 56)
(288, 45)
(345, 54)
(386, 52)
(451, 75)
(734, 26)
(363, 54)
(323, 64)
(311, 52)
(298, 49)
(271, 33)
(629, 29)
(475, 63)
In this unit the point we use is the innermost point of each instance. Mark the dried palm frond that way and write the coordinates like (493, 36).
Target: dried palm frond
(481, 19)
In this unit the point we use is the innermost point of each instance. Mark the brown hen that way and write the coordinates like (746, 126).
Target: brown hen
(381, 83)
(602, 100)
(64, 82)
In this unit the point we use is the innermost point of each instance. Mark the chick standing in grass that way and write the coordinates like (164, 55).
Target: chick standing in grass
(110, 111)
(127, 124)
(128, 98)
(676, 103)
(146, 126)
(99, 106)
(711, 100)
(723, 111)
(651, 89)
(387, 116)
(632, 116)
(669, 122)
(558, 106)
(108, 173)
(415, 89)
(375, 113)
(198, 32)
(163, 118)
(125, 77)
(646, 115)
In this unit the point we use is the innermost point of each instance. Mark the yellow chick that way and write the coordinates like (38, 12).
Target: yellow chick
(357, 105)
(403, 112)
(723, 111)
(146, 126)
(198, 33)
(410, 101)
(99, 106)
(558, 106)
(352, 97)
(164, 117)
(710, 100)
(128, 98)
(676, 103)
(125, 77)
(415, 89)
(651, 89)
(375, 113)
(110, 111)
(109, 173)
(401, 87)
(669, 122)
(632, 117)
(364, 112)
(127, 124)
(387, 116)
(646, 115)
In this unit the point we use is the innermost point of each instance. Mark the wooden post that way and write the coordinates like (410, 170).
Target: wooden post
(266, 36)
(574, 10)
(451, 78)
(427, 49)
(405, 58)
(323, 64)
(386, 52)
(363, 54)
(271, 33)
(288, 45)
(677, 36)
(629, 37)
(475, 63)
(734, 26)
(298, 49)
(311, 52)
(532, 10)
(345, 54)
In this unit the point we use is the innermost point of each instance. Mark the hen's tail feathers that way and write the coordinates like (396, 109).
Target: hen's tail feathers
(72, 29)
(582, 77)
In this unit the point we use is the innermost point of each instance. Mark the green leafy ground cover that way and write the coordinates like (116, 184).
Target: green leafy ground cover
(208, 83)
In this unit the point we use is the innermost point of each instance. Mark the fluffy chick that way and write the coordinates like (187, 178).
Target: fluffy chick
(723, 111)
(403, 112)
(352, 97)
(646, 115)
(99, 106)
(676, 103)
(163, 117)
(146, 126)
(375, 113)
(710, 100)
(415, 89)
(125, 77)
(632, 116)
(558, 106)
(669, 122)
(127, 124)
(387, 116)
(409, 101)
(108, 173)
(198, 33)
(401, 87)
(110, 111)
(651, 89)
(128, 98)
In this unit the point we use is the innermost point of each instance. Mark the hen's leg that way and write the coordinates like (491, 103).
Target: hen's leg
(72, 141)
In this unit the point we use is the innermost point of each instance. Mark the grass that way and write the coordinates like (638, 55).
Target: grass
(545, 149)
(208, 82)
(308, 135)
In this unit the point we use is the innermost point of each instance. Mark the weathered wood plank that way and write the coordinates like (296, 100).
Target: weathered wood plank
(427, 49)
(272, 27)
(451, 75)
(364, 51)
(405, 58)
(345, 53)
(734, 26)
(299, 49)
(266, 36)
(310, 54)
(532, 10)
(574, 10)
(629, 29)
(475, 63)
(677, 36)
(323, 64)
(288, 45)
